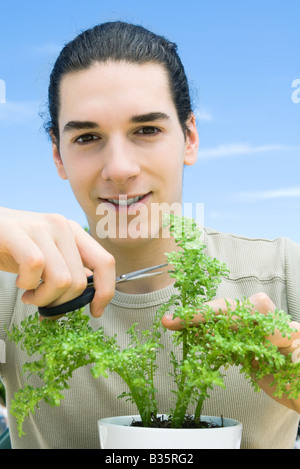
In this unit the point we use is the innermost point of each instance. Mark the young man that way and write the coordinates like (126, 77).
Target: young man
(122, 129)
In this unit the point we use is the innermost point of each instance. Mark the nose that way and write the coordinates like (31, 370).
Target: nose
(120, 162)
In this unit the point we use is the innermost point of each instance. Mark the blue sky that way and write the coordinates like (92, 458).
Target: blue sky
(241, 59)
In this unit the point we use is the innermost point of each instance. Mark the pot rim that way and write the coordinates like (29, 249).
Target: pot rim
(114, 421)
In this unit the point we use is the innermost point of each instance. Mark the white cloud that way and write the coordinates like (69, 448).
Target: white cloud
(47, 49)
(203, 115)
(270, 194)
(16, 112)
(218, 215)
(236, 149)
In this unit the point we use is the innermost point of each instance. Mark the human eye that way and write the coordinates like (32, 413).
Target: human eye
(148, 130)
(86, 139)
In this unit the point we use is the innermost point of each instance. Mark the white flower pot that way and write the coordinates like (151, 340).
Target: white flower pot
(116, 433)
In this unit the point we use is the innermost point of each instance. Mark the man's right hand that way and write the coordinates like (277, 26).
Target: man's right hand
(59, 252)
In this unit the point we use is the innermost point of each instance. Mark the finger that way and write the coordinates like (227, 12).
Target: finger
(102, 264)
(219, 306)
(262, 303)
(56, 279)
(104, 284)
(26, 259)
(175, 324)
(63, 276)
(284, 341)
(67, 246)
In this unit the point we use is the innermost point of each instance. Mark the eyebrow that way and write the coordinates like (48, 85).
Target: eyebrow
(79, 125)
(150, 117)
(137, 119)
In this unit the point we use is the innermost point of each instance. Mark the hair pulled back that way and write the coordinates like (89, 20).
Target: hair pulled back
(119, 41)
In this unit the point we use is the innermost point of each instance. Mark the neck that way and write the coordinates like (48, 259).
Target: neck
(139, 254)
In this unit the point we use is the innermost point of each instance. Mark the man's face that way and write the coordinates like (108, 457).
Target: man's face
(121, 145)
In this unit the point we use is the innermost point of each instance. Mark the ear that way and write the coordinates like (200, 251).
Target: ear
(192, 142)
(58, 161)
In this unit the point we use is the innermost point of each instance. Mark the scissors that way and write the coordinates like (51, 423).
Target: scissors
(88, 294)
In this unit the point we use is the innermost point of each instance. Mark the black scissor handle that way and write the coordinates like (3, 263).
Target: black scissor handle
(85, 298)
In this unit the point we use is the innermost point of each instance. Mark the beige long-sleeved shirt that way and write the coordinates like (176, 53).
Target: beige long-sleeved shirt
(255, 265)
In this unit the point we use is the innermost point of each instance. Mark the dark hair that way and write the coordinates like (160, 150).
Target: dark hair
(119, 41)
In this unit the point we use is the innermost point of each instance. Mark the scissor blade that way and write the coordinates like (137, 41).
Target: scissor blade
(147, 272)
(137, 277)
(141, 273)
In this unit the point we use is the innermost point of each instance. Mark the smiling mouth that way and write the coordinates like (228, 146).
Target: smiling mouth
(123, 201)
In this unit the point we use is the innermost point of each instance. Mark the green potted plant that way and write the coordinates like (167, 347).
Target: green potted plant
(202, 352)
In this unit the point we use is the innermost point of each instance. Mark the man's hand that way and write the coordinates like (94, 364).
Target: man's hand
(263, 304)
(59, 252)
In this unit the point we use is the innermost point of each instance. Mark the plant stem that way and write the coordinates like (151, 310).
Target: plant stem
(198, 410)
(152, 396)
(184, 356)
(144, 410)
(183, 393)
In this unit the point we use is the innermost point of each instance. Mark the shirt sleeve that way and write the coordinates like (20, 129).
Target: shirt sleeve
(292, 269)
